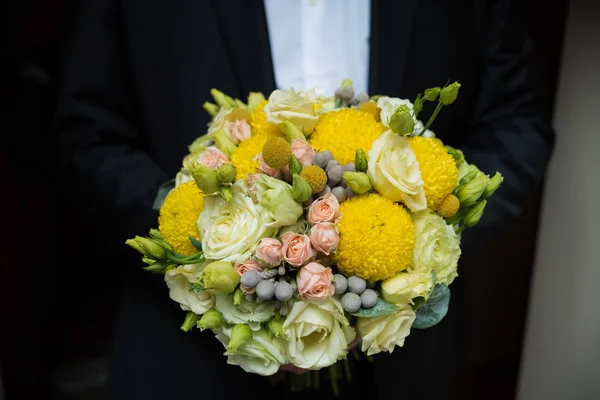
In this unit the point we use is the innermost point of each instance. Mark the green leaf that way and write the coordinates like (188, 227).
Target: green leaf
(197, 287)
(419, 302)
(435, 309)
(195, 243)
(382, 307)
(163, 191)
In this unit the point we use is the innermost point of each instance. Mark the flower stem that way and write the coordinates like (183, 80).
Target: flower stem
(333, 376)
(432, 118)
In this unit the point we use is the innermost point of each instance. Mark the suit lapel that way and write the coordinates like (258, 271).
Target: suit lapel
(244, 32)
(391, 29)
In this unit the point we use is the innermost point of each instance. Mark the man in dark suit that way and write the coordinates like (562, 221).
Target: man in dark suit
(135, 75)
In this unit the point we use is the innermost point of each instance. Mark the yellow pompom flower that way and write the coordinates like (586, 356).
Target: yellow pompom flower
(377, 238)
(277, 152)
(315, 176)
(438, 169)
(449, 206)
(178, 215)
(343, 131)
(370, 107)
(244, 157)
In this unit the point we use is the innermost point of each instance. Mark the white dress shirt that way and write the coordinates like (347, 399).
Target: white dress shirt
(319, 43)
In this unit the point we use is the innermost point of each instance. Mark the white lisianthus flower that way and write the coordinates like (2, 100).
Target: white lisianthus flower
(295, 107)
(394, 171)
(262, 355)
(437, 246)
(403, 287)
(247, 312)
(276, 197)
(385, 332)
(318, 333)
(219, 121)
(179, 281)
(388, 106)
(230, 230)
(183, 176)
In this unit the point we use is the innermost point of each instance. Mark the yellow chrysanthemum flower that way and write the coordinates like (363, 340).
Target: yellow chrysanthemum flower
(377, 238)
(243, 157)
(343, 131)
(438, 169)
(178, 215)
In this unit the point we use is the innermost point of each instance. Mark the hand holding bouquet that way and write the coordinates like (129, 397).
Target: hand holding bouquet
(298, 221)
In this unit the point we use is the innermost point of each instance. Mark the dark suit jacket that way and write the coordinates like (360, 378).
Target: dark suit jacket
(135, 75)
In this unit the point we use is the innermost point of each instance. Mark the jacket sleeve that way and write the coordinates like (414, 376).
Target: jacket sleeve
(101, 160)
(510, 132)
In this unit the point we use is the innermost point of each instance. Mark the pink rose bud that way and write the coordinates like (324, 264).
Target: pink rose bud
(324, 209)
(315, 282)
(303, 152)
(213, 158)
(249, 265)
(239, 131)
(324, 237)
(268, 252)
(273, 172)
(297, 250)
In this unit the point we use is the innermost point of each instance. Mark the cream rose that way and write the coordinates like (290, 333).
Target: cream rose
(403, 287)
(179, 281)
(296, 249)
(315, 282)
(394, 171)
(324, 209)
(325, 237)
(230, 230)
(262, 355)
(385, 332)
(295, 107)
(437, 246)
(318, 334)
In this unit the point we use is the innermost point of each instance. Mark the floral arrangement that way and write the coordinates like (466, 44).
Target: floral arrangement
(299, 225)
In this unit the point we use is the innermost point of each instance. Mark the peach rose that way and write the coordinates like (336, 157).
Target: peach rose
(303, 152)
(273, 172)
(213, 158)
(297, 250)
(249, 265)
(324, 237)
(268, 252)
(315, 282)
(239, 131)
(324, 209)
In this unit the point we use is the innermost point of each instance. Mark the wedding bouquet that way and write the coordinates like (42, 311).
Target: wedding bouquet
(298, 223)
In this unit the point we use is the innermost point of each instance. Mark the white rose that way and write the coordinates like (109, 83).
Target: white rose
(230, 230)
(219, 121)
(394, 171)
(318, 334)
(262, 355)
(295, 107)
(385, 332)
(437, 246)
(403, 287)
(388, 106)
(251, 313)
(179, 281)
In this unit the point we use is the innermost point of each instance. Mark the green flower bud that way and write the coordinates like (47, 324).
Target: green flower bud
(290, 131)
(458, 155)
(418, 105)
(360, 160)
(359, 182)
(220, 276)
(449, 93)
(254, 99)
(469, 174)
(226, 173)
(222, 99)
(226, 193)
(224, 142)
(150, 248)
(473, 214)
(147, 260)
(155, 234)
(198, 144)
(301, 189)
(189, 322)
(295, 166)
(240, 104)
(211, 319)
(470, 193)
(495, 183)
(206, 178)
(402, 121)
(211, 108)
(238, 296)
(275, 325)
(432, 94)
(347, 83)
(160, 267)
(240, 335)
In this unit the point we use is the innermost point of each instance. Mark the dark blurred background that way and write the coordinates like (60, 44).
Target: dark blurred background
(57, 332)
